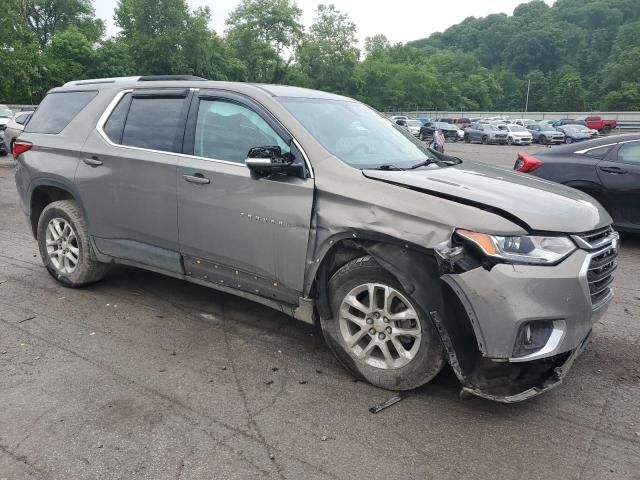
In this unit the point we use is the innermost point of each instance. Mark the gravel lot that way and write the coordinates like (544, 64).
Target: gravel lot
(144, 376)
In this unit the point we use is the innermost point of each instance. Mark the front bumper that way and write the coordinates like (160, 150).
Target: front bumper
(502, 299)
(522, 140)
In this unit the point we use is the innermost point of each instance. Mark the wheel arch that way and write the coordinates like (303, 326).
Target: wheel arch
(44, 192)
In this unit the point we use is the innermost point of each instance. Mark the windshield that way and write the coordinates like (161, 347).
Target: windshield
(444, 126)
(356, 134)
(571, 128)
(414, 123)
(517, 128)
(5, 112)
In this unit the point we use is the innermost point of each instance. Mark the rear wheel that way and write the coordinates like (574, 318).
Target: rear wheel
(568, 140)
(467, 139)
(606, 129)
(377, 332)
(485, 140)
(542, 140)
(65, 247)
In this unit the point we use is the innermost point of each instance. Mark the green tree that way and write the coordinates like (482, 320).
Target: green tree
(47, 17)
(69, 56)
(328, 55)
(262, 33)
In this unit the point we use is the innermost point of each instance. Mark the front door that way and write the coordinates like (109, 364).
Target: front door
(620, 175)
(127, 177)
(235, 230)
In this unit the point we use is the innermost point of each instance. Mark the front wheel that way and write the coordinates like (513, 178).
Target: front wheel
(467, 139)
(568, 140)
(421, 137)
(542, 140)
(485, 140)
(65, 246)
(510, 141)
(377, 332)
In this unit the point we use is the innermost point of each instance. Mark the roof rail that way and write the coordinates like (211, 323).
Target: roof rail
(94, 81)
(138, 78)
(160, 78)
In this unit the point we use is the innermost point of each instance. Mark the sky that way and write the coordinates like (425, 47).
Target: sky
(399, 20)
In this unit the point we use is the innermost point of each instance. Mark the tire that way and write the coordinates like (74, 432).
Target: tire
(485, 140)
(510, 141)
(542, 140)
(467, 139)
(394, 372)
(568, 140)
(77, 243)
(606, 129)
(421, 137)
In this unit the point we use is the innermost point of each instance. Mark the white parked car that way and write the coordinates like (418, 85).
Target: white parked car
(414, 126)
(517, 134)
(523, 122)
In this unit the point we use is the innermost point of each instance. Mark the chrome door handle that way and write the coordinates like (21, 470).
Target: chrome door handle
(197, 178)
(92, 162)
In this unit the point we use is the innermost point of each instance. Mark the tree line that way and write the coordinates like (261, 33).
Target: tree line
(576, 54)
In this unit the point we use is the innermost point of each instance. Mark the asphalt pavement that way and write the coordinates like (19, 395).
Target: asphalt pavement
(146, 377)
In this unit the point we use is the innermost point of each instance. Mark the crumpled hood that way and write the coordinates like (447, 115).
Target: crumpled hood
(540, 204)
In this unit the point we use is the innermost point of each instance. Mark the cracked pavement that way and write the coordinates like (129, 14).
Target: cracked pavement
(146, 377)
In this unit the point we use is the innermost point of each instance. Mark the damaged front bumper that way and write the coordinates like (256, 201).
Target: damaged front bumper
(487, 310)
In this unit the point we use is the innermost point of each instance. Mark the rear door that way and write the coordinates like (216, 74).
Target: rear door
(243, 232)
(619, 172)
(127, 177)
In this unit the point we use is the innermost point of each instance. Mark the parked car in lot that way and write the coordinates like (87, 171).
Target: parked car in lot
(544, 134)
(573, 133)
(5, 115)
(462, 122)
(414, 126)
(485, 133)
(15, 127)
(517, 134)
(608, 169)
(523, 122)
(596, 122)
(449, 131)
(406, 258)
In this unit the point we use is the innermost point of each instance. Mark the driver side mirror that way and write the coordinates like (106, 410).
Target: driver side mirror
(263, 161)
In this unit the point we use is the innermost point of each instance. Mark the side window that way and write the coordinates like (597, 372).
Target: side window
(227, 131)
(22, 118)
(152, 122)
(599, 152)
(630, 153)
(57, 110)
(115, 123)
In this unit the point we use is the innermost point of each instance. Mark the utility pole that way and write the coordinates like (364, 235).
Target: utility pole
(526, 105)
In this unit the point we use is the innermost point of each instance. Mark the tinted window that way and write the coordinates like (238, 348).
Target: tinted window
(227, 131)
(599, 152)
(57, 110)
(22, 118)
(153, 123)
(630, 152)
(114, 126)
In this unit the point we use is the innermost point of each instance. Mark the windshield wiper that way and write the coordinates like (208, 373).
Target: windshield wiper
(448, 161)
(388, 166)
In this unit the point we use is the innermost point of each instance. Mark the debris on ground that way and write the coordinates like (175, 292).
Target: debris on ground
(268, 382)
(173, 353)
(275, 369)
(324, 438)
(92, 333)
(386, 404)
(302, 382)
(319, 371)
(626, 310)
(162, 370)
(272, 456)
(27, 319)
(223, 368)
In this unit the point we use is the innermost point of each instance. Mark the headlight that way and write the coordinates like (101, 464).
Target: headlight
(523, 249)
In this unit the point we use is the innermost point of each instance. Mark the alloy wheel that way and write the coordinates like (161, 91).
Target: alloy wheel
(380, 326)
(62, 245)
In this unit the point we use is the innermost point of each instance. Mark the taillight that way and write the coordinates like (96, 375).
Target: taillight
(527, 163)
(19, 147)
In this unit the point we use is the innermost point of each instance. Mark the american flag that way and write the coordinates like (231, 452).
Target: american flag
(438, 141)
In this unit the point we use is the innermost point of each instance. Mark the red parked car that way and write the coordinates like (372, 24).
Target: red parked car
(598, 123)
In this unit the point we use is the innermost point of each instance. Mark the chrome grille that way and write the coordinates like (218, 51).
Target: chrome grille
(603, 242)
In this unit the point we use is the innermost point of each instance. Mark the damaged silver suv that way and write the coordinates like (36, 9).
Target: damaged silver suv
(317, 206)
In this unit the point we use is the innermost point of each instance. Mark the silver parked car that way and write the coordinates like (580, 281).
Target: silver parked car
(14, 127)
(408, 259)
(516, 134)
(545, 134)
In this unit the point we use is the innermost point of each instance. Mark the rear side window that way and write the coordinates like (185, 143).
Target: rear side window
(153, 122)
(599, 152)
(115, 124)
(57, 110)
